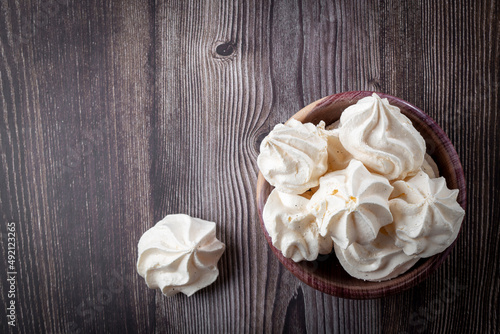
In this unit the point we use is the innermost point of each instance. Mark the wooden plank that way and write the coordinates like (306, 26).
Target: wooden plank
(76, 104)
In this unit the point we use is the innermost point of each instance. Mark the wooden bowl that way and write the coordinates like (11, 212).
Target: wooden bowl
(325, 273)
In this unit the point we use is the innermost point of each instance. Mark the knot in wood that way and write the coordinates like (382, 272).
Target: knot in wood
(225, 49)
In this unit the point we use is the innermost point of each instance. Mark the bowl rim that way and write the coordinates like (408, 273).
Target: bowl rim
(419, 271)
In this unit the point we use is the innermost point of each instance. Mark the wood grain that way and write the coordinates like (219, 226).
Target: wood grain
(116, 113)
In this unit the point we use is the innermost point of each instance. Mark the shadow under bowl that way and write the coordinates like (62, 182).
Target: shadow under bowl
(325, 273)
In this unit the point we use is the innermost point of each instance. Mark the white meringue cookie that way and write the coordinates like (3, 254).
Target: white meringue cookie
(351, 205)
(379, 260)
(382, 138)
(292, 229)
(293, 156)
(429, 167)
(427, 216)
(179, 254)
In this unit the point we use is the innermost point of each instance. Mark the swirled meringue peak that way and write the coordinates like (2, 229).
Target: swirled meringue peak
(351, 205)
(293, 156)
(379, 260)
(382, 138)
(427, 216)
(179, 254)
(292, 229)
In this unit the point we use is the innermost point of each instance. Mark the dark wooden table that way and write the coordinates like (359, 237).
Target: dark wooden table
(116, 113)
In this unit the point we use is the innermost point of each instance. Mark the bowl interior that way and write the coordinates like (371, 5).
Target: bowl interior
(326, 274)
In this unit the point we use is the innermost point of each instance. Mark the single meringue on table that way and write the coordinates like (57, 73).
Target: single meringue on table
(179, 254)
(379, 260)
(427, 216)
(351, 205)
(293, 156)
(292, 229)
(382, 138)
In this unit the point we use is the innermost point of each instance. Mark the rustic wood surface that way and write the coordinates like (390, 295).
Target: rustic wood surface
(116, 113)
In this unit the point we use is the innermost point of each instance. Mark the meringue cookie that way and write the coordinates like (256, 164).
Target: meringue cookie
(179, 254)
(382, 138)
(427, 216)
(429, 167)
(379, 260)
(293, 156)
(292, 229)
(351, 205)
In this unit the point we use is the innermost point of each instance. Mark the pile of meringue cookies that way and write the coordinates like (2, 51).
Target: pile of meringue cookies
(363, 186)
